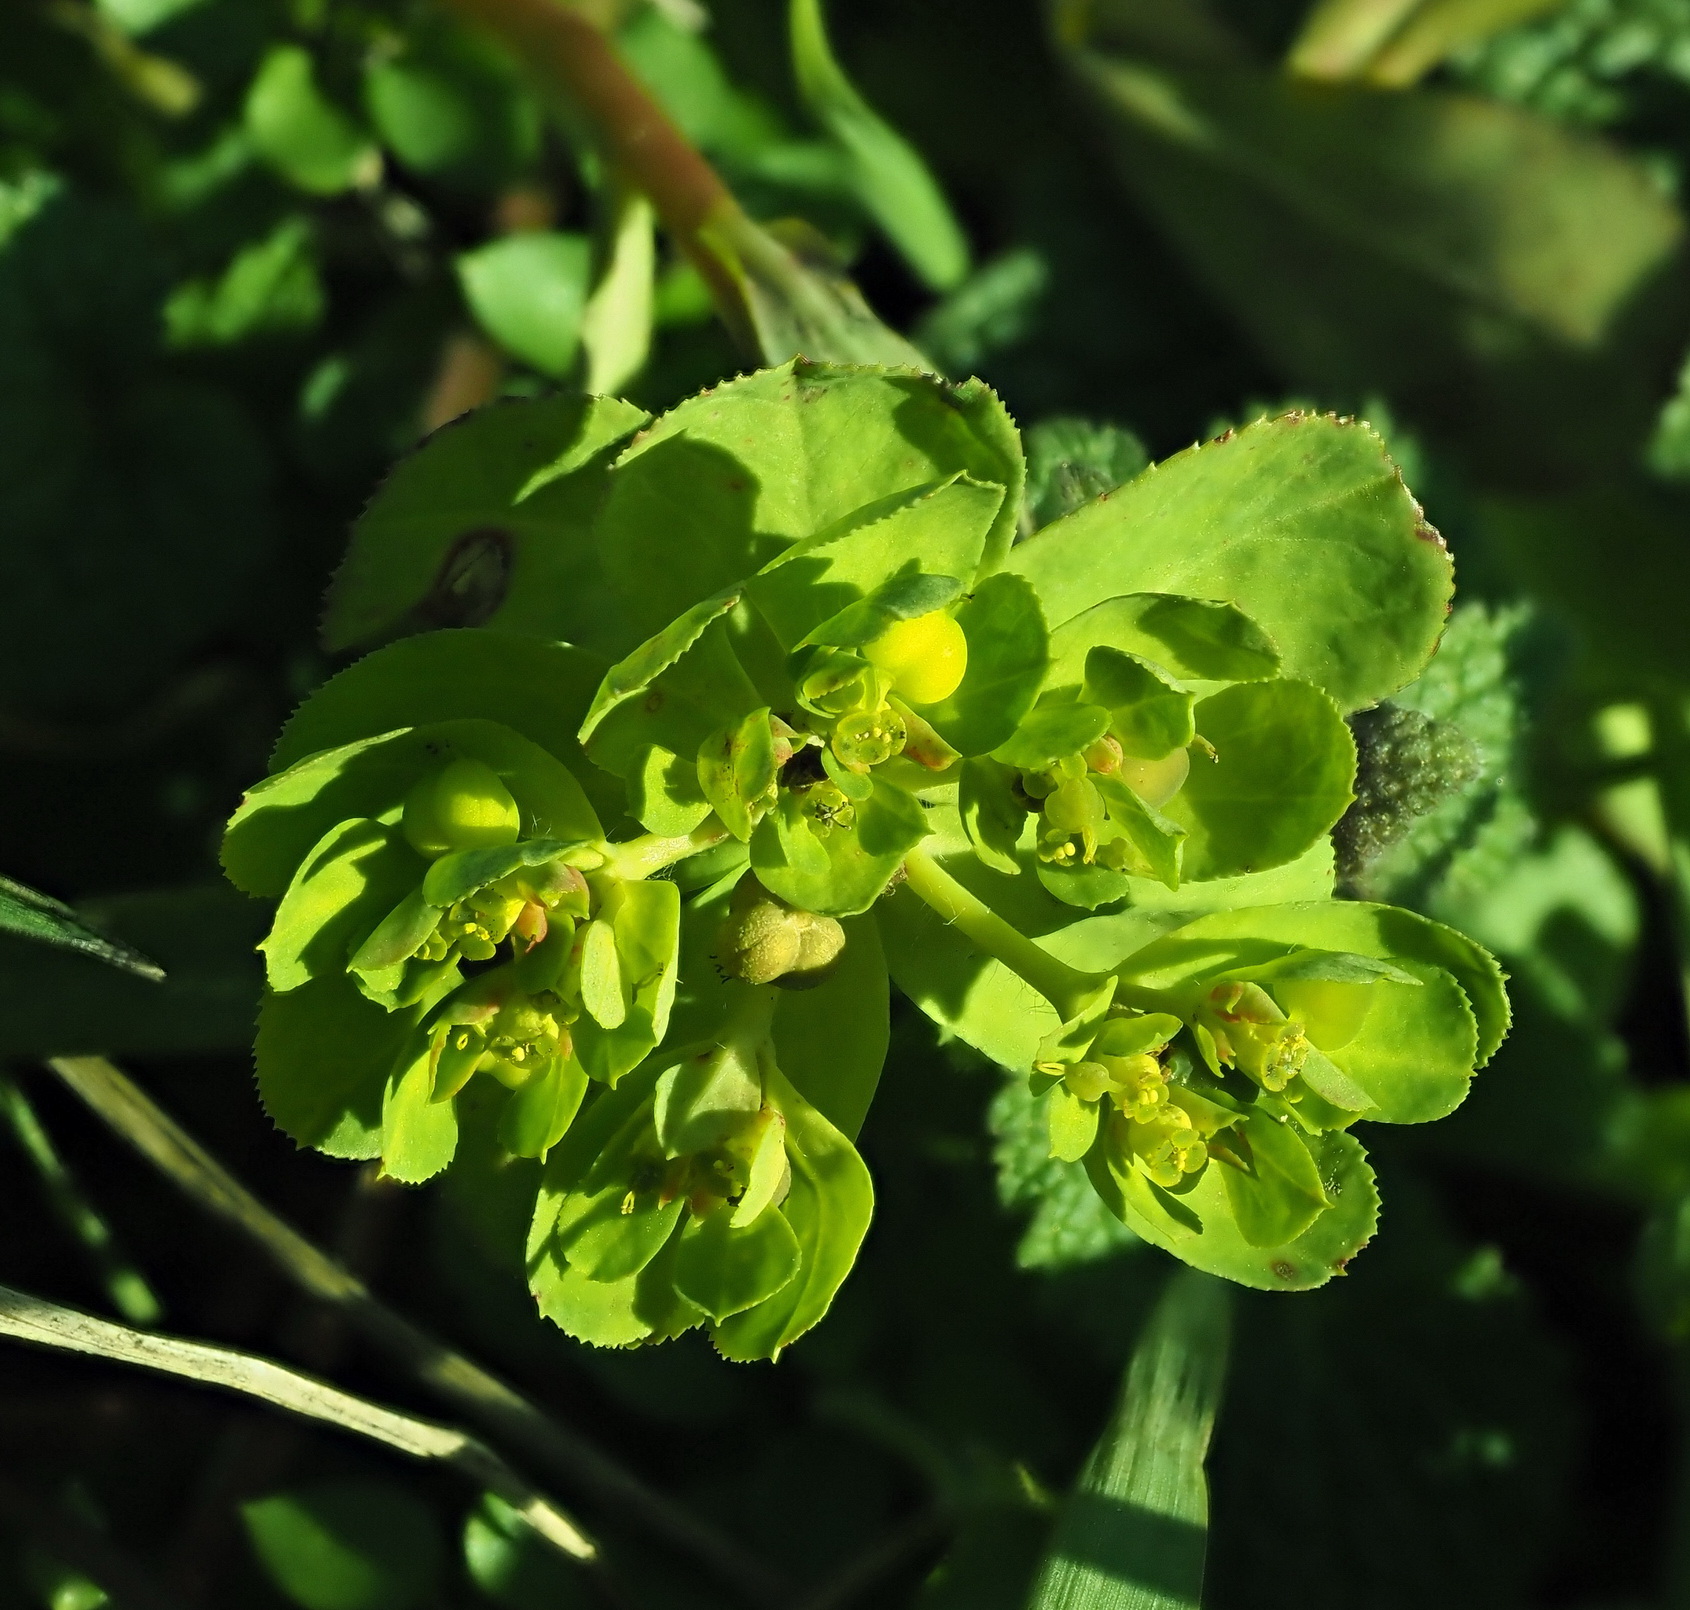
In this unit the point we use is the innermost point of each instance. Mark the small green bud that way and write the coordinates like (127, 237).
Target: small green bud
(1088, 1080)
(1137, 1084)
(464, 806)
(825, 806)
(1104, 755)
(1167, 1145)
(1251, 1033)
(765, 940)
(865, 738)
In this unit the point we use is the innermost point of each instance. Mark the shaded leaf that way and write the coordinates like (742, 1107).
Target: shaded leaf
(489, 521)
(32, 915)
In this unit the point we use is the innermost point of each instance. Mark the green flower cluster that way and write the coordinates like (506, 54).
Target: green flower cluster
(1074, 793)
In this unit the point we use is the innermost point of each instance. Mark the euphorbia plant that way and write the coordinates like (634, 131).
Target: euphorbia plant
(762, 702)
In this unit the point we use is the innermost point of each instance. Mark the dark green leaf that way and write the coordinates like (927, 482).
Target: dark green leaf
(889, 177)
(56, 1003)
(39, 917)
(305, 137)
(490, 521)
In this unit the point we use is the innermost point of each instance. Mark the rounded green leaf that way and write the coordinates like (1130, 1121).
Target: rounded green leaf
(490, 521)
(1198, 1226)
(645, 919)
(528, 291)
(843, 870)
(539, 1114)
(737, 771)
(701, 1101)
(452, 108)
(724, 1270)
(1150, 716)
(1276, 1194)
(664, 796)
(324, 1053)
(281, 819)
(1053, 728)
(305, 137)
(718, 485)
(1303, 522)
(831, 1039)
(641, 1307)
(1072, 1123)
(348, 1545)
(418, 1133)
(1282, 774)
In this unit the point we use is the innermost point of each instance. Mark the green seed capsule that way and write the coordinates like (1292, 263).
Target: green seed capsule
(464, 806)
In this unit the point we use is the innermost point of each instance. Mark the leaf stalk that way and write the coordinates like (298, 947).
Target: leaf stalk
(1065, 987)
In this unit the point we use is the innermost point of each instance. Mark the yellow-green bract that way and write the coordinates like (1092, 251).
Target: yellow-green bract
(779, 651)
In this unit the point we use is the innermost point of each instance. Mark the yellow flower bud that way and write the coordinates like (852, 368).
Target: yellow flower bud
(925, 657)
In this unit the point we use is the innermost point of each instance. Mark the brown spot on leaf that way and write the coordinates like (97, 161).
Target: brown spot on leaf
(470, 585)
(1285, 1271)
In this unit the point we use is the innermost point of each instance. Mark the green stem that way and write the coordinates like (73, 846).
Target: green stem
(1063, 986)
(455, 1379)
(125, 1285)
(652, 852)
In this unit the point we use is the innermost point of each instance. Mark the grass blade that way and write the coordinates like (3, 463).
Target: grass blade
(1132, 1534)
(36, 916)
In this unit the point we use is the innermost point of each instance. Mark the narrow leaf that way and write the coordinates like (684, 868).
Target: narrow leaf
(1133, 1532)
(41, 918)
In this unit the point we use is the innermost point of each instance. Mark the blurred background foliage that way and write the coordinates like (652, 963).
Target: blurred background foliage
(252, 250)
